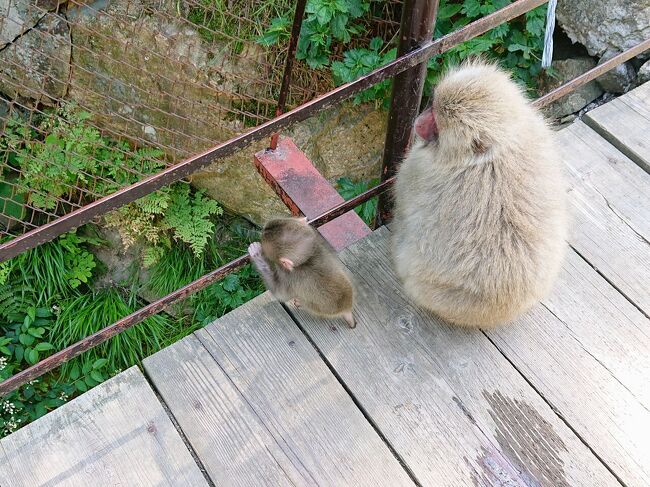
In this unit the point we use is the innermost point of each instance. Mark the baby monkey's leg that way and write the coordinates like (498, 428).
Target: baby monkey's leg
(349, 318)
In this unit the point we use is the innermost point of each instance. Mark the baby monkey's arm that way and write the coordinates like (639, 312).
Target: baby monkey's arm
(269, 276)
(262, 266)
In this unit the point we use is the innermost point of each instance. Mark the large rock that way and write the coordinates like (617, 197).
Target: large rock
(567, 69)
(37, 64)
(18, 16)
(619, 80)
(643, 75)
(605, 24)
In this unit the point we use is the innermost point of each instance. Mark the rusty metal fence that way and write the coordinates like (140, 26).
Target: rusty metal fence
(407, 63)
(174, 77)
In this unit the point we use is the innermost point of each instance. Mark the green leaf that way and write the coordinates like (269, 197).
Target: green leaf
(97, 376)
(99, 363)
(376, 43)
(43, 347)
(31, 356)
(26, 339)
(448, 11)
(75, 372)
(231, 282)
(40, 410)
(81, 386)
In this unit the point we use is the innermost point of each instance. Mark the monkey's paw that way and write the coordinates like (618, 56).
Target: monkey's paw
(255, 250)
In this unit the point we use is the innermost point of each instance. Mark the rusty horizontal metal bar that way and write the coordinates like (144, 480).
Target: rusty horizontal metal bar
(592, 74)
(72, 351)
(119, 326)
(184, 168)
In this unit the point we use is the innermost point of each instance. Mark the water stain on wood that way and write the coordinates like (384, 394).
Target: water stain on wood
(528, 440)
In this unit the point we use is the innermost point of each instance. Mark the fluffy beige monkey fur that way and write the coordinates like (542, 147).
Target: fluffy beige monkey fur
(480, 219)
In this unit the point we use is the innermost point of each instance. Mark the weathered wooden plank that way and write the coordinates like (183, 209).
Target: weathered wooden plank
(592, 364)
(260, 406)
(625, 122)
(609, 197)
(115, 434)
(445, 398)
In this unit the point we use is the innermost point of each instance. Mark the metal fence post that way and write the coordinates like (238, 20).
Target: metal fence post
(418, 21)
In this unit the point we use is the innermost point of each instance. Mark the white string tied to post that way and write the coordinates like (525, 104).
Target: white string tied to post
(547, 56)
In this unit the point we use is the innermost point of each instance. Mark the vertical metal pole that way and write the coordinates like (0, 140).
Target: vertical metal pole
(418, 21)
(291, 54)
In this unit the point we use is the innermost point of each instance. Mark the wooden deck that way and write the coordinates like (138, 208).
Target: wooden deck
(271, 396)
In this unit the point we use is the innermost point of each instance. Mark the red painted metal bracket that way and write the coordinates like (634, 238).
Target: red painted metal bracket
(305, 191)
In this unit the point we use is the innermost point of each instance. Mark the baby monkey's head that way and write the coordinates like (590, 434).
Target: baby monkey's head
(288, 242)
(472, 106)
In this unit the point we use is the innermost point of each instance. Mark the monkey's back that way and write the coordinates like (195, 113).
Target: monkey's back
(322, 285)
(480, 244)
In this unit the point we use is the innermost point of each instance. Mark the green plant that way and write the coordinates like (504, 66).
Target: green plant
(349, 189)
(325, 22)
(25, 338)
(62, 154)
(173, 212)
(31, 401)
(83, 315)
(360, 61)
(516, 45)
(5, 269)
(180, 265)
(24, 335)
(56, 268)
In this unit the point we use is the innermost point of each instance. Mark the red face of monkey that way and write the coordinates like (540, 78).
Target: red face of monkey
(426, 126)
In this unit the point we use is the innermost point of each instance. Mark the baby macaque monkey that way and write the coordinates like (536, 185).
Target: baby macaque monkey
(298, 266)
(480, 219)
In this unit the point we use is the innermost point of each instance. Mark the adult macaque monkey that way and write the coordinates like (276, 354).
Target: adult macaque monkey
(480, 218)
(298, 266)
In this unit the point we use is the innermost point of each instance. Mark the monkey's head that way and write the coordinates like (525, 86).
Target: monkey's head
(288, 242)
(472, 107)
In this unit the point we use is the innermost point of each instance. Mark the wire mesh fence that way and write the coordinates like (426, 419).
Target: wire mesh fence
(94, 95)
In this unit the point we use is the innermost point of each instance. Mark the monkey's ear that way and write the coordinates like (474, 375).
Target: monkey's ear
(479, 146)
(286, 263)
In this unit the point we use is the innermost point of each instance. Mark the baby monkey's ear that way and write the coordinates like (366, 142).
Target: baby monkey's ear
(286, 263)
